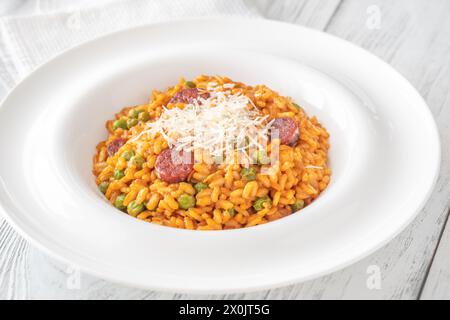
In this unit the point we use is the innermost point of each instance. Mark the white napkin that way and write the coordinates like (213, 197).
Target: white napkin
(28, 41)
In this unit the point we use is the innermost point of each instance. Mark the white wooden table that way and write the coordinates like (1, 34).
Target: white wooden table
(414, 37)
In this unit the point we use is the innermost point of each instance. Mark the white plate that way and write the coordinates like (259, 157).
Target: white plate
(384, 154)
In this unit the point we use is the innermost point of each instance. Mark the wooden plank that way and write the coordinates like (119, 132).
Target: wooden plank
(437, 285)
(313, 14)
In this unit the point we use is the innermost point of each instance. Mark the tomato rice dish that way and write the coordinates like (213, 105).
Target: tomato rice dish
(213, 154)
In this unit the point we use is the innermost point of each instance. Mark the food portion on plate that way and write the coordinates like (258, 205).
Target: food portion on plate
(213, 154)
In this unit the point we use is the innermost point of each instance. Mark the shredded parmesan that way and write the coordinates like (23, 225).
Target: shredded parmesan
(221, 123)
(313, 167)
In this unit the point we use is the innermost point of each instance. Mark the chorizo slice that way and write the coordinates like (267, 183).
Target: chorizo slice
(174, 166)
(288, 130)
(115, 145)
(188, 95)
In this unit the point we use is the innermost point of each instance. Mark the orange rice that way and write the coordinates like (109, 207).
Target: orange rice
(227, 201)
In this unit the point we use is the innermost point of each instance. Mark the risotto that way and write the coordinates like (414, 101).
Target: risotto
(212, 154)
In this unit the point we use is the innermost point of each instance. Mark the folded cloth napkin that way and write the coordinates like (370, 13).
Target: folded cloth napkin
(28, 41)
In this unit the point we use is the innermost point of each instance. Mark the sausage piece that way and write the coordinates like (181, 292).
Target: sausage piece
(188, 95)
(288, 130)
(115, 145)
(174, 166)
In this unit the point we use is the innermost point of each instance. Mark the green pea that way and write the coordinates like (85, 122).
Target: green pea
(127, 154)
(144, 116)
(261, 203)
(134, 208)
(261, 157)
(119, 174)
(118, 203)
(299, 204)
(190, 84)
(186, 201)
(133, 113)
(199, 186)
(121, 123)
(231, 212)
(103, 186)
(132, 122)
(248, 173)
(137, 160)
(296, 105)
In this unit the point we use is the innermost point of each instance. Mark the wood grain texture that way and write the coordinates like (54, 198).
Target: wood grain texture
(437, 284)
(413, 37)
(314, 14)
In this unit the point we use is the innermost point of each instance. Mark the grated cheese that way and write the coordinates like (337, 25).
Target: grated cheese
(313, 167)
(222, 123)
